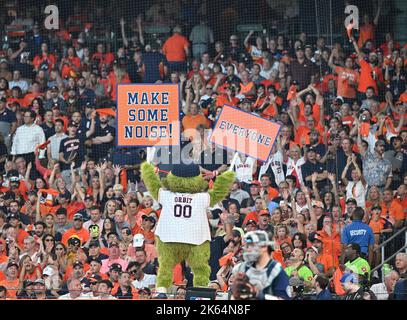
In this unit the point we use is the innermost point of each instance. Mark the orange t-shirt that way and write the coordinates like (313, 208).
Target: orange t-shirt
(174, 48)
(366, 80)
(223, 99)
(12, 287)
(82, 234)
(68, 71)
(49, 58)
(396, 210)
(148, 235)
(377, 226)
(246, 88)
(344, 76)
(190, 123)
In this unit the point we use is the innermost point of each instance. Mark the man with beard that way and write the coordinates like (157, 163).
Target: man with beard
(376, 169)
(84, 94)
(103, 140)
(370, 73)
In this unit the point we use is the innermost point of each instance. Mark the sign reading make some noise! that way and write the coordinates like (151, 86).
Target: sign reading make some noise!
(148, 115)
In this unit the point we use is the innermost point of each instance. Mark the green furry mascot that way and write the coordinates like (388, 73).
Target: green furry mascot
(182, 231)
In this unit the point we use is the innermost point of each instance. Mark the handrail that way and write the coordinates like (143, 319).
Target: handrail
(391, 238)
(389, 258)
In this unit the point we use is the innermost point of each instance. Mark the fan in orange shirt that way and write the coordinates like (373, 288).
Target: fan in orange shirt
(176, 48)
(192, 120)
(367, 29)
(117, 76)
(11, 282)
(76, 231)
(348, 78)
(70, 65)
(148, 223)
(44, 60)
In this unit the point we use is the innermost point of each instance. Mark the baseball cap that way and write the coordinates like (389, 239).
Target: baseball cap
(54, 88)
(77, 263)
(89, 105)
(339, 99)
(144, 290)
(13, 216)
(72, 124)
(95, 278)
(377, 207)
(115, 267)
(48, 271)
(138, 240)
(13, 174)
(27, 282)
(39, 281)
(251, 221)
(93, 259)
(311, 149)
(351, 200)
(55, 105)
(264, 212)
(77, 216)
(89, 197)
(316, 203)
(300, 48)
(255, 183)
(238, 232)
(349, 277)
(74, 240)
(380, 143)
(11, 264)
(149, 218)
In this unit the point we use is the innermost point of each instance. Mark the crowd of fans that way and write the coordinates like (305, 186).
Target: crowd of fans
(76, 221)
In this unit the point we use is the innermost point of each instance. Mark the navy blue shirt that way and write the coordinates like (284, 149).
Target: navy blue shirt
(308, 168)
(152, 61)
(360, 233)
(87, 96)
(72, 145)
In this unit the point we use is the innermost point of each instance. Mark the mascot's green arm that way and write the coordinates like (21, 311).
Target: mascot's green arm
(221, 187)
(151, 179)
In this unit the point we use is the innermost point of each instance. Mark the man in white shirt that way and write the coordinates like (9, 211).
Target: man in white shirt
(55, 140)
(17, 82)
(27, 137)
(75, 291)
(383, 290)
(142, 280)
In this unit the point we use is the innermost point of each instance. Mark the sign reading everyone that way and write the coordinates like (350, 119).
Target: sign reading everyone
(245, 133)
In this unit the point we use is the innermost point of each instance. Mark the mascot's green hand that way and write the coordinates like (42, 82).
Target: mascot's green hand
(151, 179)
(221, 187)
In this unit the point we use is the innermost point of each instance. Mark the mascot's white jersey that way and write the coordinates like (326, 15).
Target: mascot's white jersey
(183, 217)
